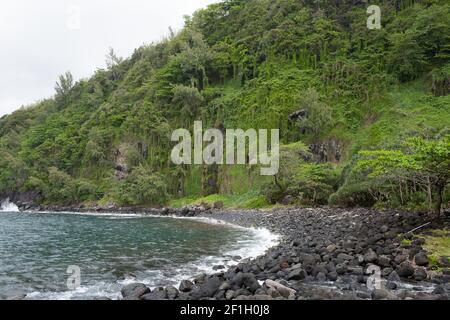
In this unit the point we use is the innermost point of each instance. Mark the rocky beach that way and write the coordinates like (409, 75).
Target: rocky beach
(324, 253)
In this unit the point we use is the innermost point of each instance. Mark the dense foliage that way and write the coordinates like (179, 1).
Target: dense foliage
(313, 69)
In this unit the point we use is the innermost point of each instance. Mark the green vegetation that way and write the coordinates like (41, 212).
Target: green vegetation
(364, 115)
(437, 243)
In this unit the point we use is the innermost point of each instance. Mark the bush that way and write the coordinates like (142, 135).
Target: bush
(60, 188)
(142, 186)
(88, 191)
(310, 183)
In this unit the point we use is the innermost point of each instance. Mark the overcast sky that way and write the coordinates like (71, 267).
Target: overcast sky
(40, 40)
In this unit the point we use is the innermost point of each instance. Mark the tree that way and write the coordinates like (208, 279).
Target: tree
(406, 58)
(112, 59)
(13, 172)
(97, 146)
(189, 101)
(65, 84)
(423, 162)
(61, 188)
(143, 186)
(318, 115)
(310, 183)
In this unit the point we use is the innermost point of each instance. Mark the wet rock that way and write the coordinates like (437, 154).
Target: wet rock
(248, 280)
(394, 277)
(219, 267)
(186, 286)
(439, 290)
(405, 270)
(332, 276)
(172, 292)
(363, 295)
(420, 274)
(383, 294)
(156, 294)
(207, 289)
(321, 277)
(134, 291)
(391, 285)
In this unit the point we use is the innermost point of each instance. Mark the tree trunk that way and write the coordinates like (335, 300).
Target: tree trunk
(430, 197)
(438, 205)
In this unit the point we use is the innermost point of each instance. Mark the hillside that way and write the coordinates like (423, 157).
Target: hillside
(310, 68)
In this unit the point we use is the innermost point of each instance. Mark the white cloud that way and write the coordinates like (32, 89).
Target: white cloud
(39, 41)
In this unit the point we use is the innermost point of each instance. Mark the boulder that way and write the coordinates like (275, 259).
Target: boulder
(134, 291)
(421, 259)
(283, 290)
(370, 256)
(394, 276)
(331, 248)
(383, 294)
(186, 286)
(400, 258)
(384, 261)
(420, 274)
(247, 280)
(321, 277)
(405, 270)
(207, 289)
(172, 292)
(156, 294)
(332, 276)
(298, 274)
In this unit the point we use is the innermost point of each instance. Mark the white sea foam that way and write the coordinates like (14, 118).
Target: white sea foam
(7, 206)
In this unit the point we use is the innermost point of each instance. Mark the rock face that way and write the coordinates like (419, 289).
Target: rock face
(328, 151)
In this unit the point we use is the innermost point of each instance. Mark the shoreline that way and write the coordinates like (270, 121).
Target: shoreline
(323, 253)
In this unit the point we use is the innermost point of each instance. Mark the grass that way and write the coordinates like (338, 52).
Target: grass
(406, 242)
(248, 200)
(437, 243)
